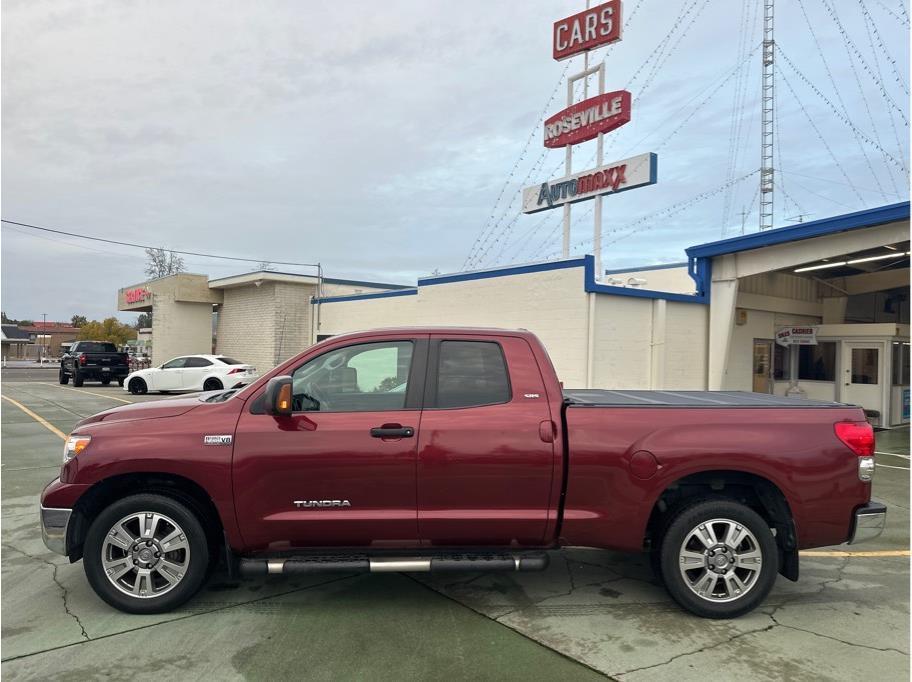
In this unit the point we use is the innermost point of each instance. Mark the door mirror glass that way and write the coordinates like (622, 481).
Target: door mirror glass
(278, 396)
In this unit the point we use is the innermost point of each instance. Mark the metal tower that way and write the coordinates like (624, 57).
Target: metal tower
(766, 121)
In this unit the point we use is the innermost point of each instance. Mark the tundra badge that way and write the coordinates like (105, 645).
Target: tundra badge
(307, 504)
(217, 440)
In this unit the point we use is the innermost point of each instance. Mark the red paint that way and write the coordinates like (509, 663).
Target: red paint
(470, 476)
(585, 120)
(587, 30)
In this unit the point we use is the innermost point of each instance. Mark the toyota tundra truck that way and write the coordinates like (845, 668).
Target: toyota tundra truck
(439, 449)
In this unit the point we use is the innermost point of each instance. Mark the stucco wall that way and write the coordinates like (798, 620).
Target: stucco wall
(673, 280)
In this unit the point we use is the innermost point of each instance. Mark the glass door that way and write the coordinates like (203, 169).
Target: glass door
(763, 366)
(863, 376)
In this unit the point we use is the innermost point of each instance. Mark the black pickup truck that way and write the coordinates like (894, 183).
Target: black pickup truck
(95, 361)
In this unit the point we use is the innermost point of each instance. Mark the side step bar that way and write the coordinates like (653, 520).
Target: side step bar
(295, 565)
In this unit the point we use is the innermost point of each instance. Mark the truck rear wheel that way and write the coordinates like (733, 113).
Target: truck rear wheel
(77, 380)
(719, 558)
(63, 377)
(146, 554)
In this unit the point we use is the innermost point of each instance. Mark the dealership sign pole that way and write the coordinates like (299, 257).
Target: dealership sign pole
(588, 119)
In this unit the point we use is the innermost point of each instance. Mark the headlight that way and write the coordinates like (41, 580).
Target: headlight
(75, 445)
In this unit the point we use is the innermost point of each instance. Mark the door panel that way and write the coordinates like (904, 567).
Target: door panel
(485, 472)
(862, 366)
(321, 478)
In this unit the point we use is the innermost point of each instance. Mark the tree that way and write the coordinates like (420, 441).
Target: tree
(110, 329)
(143, 321)
(162, 263)
(18, 323)
(78, 320)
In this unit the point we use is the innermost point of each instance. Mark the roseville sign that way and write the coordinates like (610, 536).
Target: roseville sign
(587, 30)
(637, 171)
(797, 336)
(137, 295)
(585, 120)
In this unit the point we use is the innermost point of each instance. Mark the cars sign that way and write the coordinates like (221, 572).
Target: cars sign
(587, 30)
(585, 120)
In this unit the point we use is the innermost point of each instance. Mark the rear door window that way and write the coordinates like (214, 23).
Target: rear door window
(471, 374)
(197, 362)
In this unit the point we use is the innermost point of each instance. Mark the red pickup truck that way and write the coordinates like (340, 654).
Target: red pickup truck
(455, 449)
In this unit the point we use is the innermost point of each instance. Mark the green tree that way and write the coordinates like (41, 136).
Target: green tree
(110, 329)
(144, 320)
(78, 320)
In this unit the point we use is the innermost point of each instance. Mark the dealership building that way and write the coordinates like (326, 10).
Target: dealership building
(835, 292)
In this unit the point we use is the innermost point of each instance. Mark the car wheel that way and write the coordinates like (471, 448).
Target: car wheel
(77, 379)
(105, 382)
(120, 381)
(719, 558)
(138, 386)
(146, 554)
(63, 377)
(212, 385)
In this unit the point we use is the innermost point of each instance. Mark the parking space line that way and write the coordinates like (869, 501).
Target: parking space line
(37, 417)
(100, 395)
(892, 454)
(887, 466)
(845, 553)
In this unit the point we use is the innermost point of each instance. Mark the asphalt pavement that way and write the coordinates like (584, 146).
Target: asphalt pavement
(592, 614)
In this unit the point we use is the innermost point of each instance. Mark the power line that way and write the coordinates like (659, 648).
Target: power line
(145, 246)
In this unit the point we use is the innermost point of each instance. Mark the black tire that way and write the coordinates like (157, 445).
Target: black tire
(63, 377)
(197, 560)
(77, 379)
(755, 583)
(120, 381)
(212, 385)
(138, 386)
(105, 382)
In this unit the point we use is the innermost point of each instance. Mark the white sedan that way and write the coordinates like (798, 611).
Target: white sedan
(191, 373)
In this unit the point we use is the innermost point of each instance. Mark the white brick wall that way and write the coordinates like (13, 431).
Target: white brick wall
(179, 328)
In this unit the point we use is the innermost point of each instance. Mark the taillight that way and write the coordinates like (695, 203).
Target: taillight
(237, 371)
(859, 437)
(82, 359)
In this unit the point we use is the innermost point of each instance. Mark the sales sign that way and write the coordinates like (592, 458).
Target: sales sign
(587, 30)
(585, 120)
(797, 336)
(611, 178)
(137, 295)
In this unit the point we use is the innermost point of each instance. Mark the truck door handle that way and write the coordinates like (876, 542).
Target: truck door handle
(392, 431)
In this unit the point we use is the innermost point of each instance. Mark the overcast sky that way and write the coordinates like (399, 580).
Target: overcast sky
(376, 137)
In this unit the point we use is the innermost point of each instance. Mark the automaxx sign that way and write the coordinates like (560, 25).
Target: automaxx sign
(637, 171)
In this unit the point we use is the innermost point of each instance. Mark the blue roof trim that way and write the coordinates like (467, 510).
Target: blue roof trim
(592, 286)
(646, 268)
(503, 272)
(362, 297)
(816, 228)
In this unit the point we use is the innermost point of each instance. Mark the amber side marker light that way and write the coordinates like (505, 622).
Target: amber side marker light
(285, 397)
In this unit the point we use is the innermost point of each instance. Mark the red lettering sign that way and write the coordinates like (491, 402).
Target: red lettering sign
(585, 120)
(137, 295)
(587, 30)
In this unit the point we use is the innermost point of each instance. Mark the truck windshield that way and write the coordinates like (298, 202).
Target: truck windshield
(96, 347)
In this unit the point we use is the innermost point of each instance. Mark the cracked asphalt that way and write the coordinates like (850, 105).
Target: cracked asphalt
(592, 614)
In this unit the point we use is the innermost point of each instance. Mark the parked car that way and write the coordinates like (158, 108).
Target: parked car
(455, 449)
(192, 373)
(93, 361)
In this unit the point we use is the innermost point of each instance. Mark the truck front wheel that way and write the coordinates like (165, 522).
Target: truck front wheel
(146, 554)
(719, 558)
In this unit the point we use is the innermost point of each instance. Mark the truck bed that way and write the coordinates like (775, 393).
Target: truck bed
(605, 398)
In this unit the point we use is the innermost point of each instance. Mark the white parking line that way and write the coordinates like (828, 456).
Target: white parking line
(887, 466)
(892, 454)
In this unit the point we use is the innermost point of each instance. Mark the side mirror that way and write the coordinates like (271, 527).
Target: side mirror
(278, 396)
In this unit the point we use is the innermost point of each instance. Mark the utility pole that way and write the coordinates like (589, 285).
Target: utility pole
(44, 337)
(766, 119)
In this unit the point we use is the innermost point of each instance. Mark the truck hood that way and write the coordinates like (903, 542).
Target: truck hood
(151, 410)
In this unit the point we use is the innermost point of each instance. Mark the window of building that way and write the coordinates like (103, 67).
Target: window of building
(864, 366)
(780, 362)
(471, 374)
(817, 363)
(900, 364)
(366, 377)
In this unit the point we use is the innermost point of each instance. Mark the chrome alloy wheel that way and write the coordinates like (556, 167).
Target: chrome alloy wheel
(145, 554)
(720, 560)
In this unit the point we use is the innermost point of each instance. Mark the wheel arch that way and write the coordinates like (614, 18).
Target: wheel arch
(175, 486)
(754, 490)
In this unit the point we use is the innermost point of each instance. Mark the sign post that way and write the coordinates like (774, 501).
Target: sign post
(796, 336)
